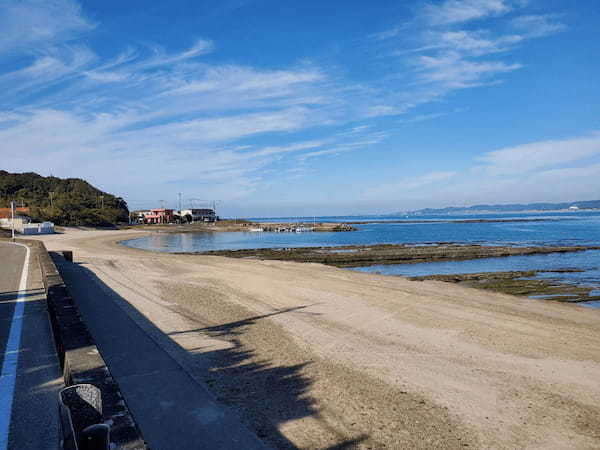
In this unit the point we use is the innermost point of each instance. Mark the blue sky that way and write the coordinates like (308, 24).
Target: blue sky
(301, 108)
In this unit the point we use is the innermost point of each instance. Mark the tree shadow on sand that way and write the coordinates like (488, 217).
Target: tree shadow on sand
(268, 394)
(264, 394)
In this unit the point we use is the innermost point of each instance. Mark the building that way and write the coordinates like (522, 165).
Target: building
(37, 228)
(6, 213)
(22, 223)
(159, 215)
(198, 215)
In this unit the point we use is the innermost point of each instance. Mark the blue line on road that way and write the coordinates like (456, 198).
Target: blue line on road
(11, 357)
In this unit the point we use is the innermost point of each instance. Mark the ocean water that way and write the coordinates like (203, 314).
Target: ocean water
(580, 228)
(558, 229)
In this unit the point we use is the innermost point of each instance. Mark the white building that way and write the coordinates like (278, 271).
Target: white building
(198, 215)
(24, 225)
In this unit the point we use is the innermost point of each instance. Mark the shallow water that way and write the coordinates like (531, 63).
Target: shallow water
(565, 229)
(582, 228)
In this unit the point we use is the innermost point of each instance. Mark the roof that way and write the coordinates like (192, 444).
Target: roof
(162, 210)
(5, 213)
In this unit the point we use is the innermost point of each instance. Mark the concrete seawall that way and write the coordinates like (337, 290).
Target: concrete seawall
(79, 357)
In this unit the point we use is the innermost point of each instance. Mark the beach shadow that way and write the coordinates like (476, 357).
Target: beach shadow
(234, 328)
(266, 395)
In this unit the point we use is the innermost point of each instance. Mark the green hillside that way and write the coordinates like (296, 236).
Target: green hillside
(69, 201)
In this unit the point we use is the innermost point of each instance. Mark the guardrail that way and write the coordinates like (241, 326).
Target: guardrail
(83, 365)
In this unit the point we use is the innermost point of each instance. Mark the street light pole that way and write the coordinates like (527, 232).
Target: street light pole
(12, 210)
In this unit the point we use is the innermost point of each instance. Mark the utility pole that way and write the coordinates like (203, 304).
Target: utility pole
(12, 211)
(162, 204)
(215, 203)
(51, 194)
(179, 194)
(102, 201)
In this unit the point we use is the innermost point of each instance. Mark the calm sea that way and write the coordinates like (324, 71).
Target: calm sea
(577, 228)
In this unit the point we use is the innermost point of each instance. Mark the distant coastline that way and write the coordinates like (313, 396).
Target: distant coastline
(583, 205)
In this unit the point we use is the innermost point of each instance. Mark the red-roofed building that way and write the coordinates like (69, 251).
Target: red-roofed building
(6, 213)
(160, 215)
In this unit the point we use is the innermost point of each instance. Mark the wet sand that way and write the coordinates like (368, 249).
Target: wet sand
(312, 356)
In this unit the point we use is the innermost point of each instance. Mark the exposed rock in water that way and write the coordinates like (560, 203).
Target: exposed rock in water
(360, 256)
(522, 283)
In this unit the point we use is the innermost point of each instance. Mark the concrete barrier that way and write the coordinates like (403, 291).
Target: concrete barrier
(80, 408)
(68, 255)
(81, 361)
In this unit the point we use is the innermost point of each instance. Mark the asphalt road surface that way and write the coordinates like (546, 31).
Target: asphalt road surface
(31, 376)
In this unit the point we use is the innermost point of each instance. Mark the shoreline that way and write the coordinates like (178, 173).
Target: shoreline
(243, 225)
(230, 226)
(521, 283)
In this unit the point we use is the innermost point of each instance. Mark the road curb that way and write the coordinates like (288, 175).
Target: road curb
(80, 358)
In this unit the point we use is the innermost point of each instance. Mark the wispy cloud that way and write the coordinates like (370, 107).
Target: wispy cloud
(538, 155)
(554, 170)
(452, 71)
(458, 11)
(533, 26)
(339, 148)
(163, 58)
(38, 22)
(384, 110)
(422, 117)
(396, 191)
(442, 53)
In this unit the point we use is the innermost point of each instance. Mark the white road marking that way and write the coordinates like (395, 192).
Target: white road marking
(11, 356)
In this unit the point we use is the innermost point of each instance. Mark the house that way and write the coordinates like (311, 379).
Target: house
(139, 216)
(6, 213)
(198, 215)
(159, 215)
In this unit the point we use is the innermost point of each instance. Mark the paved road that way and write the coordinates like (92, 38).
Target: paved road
(29, 392)
(172, 410)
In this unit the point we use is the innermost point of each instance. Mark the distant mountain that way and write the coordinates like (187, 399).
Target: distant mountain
(69, 201)
(516, 207)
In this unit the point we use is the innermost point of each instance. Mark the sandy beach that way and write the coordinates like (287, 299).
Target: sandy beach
(313, 356)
